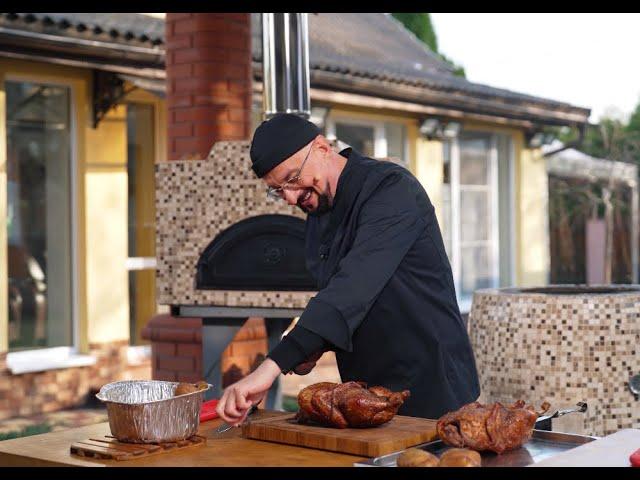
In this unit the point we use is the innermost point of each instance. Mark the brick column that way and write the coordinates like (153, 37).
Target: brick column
(209, 94)
(208, 63)
(176, 345)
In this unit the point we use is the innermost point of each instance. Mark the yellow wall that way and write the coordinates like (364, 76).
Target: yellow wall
(106, 214)
(429, 171)
(153, 137)
(532, 228)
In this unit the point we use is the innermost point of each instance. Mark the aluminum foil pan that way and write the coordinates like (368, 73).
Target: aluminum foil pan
(145, 411)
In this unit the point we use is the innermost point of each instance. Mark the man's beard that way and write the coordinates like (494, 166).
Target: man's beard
(324, 205)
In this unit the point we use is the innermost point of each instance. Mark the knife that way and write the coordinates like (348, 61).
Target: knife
(225, 427)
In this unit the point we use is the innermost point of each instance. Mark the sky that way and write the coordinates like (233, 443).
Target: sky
(587, 60)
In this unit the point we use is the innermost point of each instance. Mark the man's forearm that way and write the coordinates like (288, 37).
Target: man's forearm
(296, 347)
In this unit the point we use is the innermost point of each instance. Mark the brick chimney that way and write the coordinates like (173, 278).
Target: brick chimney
(209, 90)
(208, 63)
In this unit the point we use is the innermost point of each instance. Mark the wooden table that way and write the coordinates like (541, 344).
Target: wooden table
(222, 450)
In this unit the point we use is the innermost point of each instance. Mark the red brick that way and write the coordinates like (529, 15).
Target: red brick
(190, 322)
(185, 25)
(179, 71)
(206, 129)
(218, 100)
(180, 41)
(243, 362)
(189, 349)
(200, 85)
(189, 377)
(232, 71)
(215, 34)
(185, 55)
(177, 100)
(249, 347)
(235, 40)
(238, 17)
(163, 348)
(244, 333)
(221, 22)
(177, 335)
(199, 114)
(181, 129)
(237, 114)
(176, 364)
(232, 129)
(165, 375)
(193, 144)
(241, 87)
(172, 17)
(208, 69)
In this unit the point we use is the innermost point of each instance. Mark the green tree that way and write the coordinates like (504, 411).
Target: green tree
(420, 25)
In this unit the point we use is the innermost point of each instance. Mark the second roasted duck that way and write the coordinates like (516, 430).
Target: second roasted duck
(349, 404)
(493, 427)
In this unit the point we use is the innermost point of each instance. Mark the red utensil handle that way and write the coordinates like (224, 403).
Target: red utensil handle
(635, 458)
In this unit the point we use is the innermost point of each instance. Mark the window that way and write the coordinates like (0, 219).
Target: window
(39, 215)
(371, 138)
(476, 220)
(141, 223)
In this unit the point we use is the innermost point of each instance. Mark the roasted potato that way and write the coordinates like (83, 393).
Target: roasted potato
(414, 457)
(460, 457)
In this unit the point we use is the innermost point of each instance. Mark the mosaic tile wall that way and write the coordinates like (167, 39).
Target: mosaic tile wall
(195, 201)
(563, 349)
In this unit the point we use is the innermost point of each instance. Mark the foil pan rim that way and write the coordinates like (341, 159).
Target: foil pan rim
(100, 394)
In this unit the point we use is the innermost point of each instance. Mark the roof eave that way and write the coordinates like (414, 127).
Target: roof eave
(463, 101)
(34, 44)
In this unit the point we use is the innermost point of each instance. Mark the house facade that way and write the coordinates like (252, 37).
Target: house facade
(83, 121)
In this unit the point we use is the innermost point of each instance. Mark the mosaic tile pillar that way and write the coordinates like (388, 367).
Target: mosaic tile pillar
(563, 348)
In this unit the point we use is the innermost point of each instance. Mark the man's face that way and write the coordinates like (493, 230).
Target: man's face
(310, 190)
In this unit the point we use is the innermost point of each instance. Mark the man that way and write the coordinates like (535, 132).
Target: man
(386, 301)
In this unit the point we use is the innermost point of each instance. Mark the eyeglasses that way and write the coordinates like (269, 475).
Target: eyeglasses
(290, 184)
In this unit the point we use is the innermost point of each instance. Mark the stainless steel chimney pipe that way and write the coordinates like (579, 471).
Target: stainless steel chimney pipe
(285, 64)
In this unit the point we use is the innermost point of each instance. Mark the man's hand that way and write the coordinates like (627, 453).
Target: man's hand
(306, 366)
(238, 398)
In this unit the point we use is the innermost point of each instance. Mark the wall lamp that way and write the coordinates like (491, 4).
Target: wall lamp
(538, 139)
(433, 128)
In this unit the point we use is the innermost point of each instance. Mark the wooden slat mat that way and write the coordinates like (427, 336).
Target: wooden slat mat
(109, 448)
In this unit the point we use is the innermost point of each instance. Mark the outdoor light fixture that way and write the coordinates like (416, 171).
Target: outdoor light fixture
(433, 128)
(429, 128)
(319, 116)
(537, 139)
(451, 130)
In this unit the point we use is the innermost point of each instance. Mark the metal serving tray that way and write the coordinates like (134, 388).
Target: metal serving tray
(542, 445)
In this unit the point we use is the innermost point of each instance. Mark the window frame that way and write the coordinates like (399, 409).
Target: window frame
(380, 144)
(39, 359)
(498, 223)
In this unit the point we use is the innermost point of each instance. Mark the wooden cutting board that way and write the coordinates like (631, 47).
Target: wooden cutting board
(397, 434)
(611, 451)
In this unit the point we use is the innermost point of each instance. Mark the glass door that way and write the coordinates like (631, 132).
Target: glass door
(470, 213)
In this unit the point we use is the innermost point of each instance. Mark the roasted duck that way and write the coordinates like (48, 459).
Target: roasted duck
(493, 427)
(350, 404)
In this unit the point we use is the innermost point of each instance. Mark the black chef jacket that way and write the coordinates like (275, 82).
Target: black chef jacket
(386, 302)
